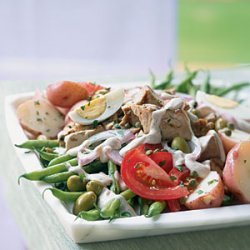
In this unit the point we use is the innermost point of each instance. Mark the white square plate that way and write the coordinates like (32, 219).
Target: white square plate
(84, 231)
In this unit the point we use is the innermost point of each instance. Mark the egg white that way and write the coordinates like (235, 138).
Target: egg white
(114, 101)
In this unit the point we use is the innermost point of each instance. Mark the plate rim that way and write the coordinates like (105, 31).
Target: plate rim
(81, 231)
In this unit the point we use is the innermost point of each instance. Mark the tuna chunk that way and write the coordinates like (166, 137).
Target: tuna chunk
(175, 123)
(143, 95)
(76, 138)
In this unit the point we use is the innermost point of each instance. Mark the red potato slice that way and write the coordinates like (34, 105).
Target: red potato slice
(66, 93)
(237, 136)
(236, 173)
(208, 194)
(40, 117)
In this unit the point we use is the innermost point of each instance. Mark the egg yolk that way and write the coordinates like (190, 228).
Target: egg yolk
(221, 102)
(92, 109)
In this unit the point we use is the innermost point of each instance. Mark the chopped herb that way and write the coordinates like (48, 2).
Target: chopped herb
(109, 106)
(82, 107)
(37, 112)
(192, 183)
(245, 161)
(172, 178)
(39, 119)
(194, 174)
(199, 192)
(179, 167)
(95, 123)
(162, 163)
(48, 130)
(212, 181)
(37, 102)
(46, 113)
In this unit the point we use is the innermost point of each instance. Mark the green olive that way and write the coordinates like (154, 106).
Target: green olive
(75, 184)
(95, 186)
(84, 202)
(179, 143)
(220, 123)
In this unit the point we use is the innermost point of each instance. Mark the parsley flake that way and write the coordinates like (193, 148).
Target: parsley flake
(212, 181)
(95, 123)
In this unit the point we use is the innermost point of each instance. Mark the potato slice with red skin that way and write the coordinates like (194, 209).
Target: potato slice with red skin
(66, 93)
(236, 173)
(208, 194)
(40, 117)
(236, 136)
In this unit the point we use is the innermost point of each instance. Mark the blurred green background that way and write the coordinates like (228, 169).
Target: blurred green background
(214, 32)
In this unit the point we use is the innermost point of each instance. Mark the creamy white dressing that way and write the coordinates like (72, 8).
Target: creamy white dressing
(204, 142)
(154, 135)
(107, 195)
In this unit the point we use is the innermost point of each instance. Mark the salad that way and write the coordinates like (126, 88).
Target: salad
(112, 153)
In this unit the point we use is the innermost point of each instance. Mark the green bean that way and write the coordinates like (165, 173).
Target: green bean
(61, 159)
(115, 187)
(57, 178)
(91, 215)
(63, 195)
(127, 194)
(47, 156)
(206, 86)
(110, 209)
(93, 167)
(144, 205)
(234, 87)
(167, 82)
(38, 144)
(186, 84)
(156, 208)
(40, 174)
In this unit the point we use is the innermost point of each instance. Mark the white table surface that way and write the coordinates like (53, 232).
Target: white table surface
(28, 222)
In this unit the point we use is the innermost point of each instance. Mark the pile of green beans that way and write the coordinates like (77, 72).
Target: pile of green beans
(187, 85)
(71, 187)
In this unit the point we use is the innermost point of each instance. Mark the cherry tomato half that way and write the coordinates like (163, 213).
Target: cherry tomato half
(146, 179)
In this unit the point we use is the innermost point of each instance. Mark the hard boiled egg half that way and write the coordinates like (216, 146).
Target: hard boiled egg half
(98, 109)
(223, 105)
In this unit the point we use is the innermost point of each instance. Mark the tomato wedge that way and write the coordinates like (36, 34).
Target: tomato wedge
(163, 159)
(146, 179)
(91, 87)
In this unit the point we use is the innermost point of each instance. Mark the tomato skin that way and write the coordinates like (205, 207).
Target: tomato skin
(146, 179)
(173, 205)
(163, 159)
(179, 175)
(91, 88)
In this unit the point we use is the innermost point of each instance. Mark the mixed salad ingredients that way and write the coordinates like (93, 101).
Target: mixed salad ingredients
(112, 153)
